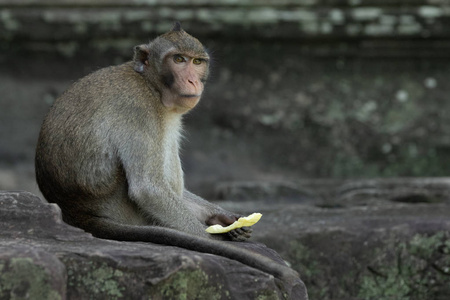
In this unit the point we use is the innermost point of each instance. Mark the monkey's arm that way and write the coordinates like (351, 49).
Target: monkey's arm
(200, 207)
(162, 207)
(158, 198)
(212, 214)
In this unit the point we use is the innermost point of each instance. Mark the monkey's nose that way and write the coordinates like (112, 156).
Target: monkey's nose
(193, 82)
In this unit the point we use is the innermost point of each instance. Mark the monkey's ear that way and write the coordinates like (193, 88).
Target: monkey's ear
(177, 26)
(141, 57)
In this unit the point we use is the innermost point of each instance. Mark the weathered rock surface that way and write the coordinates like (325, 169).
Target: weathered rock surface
(43, 258)
(366, 239)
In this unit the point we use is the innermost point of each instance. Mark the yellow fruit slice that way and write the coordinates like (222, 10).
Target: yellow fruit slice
(241, 222)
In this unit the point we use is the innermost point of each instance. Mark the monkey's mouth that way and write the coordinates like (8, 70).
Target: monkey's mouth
(189, 96)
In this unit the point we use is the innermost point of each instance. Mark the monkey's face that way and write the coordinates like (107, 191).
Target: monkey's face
(183, 76)
(177, 65)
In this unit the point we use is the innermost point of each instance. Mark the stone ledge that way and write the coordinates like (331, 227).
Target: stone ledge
(42, 257)
(360, 239)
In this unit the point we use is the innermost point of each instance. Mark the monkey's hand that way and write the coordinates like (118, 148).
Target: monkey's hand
(236, 230)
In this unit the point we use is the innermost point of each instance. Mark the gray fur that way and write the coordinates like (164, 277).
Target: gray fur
(107, 154)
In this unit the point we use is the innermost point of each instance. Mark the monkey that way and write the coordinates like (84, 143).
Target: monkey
(108, 154)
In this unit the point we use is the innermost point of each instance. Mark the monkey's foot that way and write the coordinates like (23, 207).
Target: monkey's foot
(241, 222)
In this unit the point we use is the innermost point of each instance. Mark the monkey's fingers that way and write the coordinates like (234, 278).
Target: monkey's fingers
(244, 231)
(241, 222)
(247, 229)
(238, 235)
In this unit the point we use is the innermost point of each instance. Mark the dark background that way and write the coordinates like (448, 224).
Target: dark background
(299, 90)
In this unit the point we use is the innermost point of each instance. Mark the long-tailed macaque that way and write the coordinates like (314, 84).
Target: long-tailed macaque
(108, 154)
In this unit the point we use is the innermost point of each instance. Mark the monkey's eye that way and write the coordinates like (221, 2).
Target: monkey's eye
(197, 61)
(178, 59)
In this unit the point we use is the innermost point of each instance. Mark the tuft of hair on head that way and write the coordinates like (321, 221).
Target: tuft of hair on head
(177, 26)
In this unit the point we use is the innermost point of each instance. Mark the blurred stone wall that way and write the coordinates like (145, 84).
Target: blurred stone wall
(394, 27)
(307, 88)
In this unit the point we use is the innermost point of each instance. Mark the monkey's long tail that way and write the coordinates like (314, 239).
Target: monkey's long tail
(107, 229)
